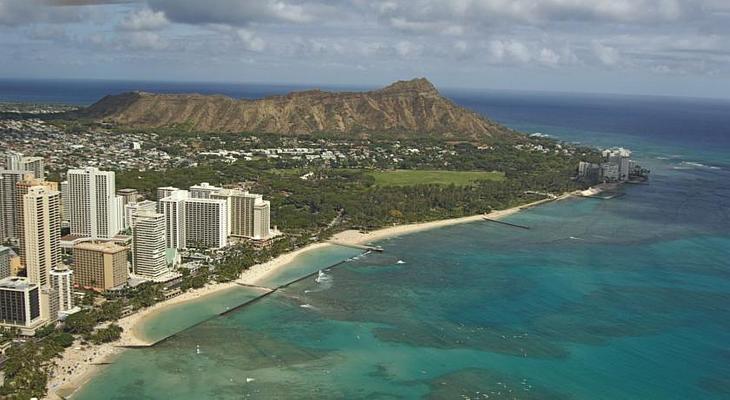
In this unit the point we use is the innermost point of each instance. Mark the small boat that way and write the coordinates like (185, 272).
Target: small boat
(400, 262)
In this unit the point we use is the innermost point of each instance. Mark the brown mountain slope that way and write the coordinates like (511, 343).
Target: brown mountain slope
(405, 108)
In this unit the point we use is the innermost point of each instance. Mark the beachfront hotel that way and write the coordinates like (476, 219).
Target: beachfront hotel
(20, 304)
(148, 245)
(206, 223)
(172, 207)
(62, 280)
(41, 232)
(95, 210)
(248, 213)
(100, 266)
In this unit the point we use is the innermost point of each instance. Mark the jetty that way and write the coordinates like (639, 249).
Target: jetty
(357, 246)
(267, 292)
(506, 223)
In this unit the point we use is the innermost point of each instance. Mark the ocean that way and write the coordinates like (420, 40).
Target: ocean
(601, 299)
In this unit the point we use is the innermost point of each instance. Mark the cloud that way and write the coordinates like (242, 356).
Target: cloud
(146, 41)
(233, 12)
(250, 41)
(144, 20)
(606, 54)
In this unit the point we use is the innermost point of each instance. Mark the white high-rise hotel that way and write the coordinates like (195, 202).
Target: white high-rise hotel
(173, 208)
(94, 208)
(206, 223)
(62, 281)
(148, 244)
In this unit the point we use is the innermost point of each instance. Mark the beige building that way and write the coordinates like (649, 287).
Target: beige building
(9, 201)
(21, 189)
(100, 266)
(248, 213)
(41, 233)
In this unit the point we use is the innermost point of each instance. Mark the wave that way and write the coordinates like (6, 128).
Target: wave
(540, 135)
(697, 165)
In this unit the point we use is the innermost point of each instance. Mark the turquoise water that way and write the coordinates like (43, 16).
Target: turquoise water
(181, 316)
(619, 299)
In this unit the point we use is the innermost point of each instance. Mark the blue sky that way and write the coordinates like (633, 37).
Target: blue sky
(665, 47)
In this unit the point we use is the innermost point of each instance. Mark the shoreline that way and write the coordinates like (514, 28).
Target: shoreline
(80, 363)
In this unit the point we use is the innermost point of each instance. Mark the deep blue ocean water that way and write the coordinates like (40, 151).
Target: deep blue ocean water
(621, 299)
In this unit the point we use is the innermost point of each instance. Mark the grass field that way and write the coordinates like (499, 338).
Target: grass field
(403, 177)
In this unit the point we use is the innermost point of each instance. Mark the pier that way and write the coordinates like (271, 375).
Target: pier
(357, 246)
(506, 223)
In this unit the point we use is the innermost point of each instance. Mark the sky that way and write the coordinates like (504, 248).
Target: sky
(656, 47)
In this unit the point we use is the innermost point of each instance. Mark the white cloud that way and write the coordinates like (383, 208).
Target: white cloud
(508, 52)
(250, 40)
(606, 54)
(146, 41)
(549, 57)
(144, 20)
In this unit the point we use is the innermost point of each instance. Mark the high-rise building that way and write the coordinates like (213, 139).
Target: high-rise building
(13, 160)
(36, 165)
(16, 161)
(50, 304)
(173, 208)
(100, 266)
(261, 219)
(620, 158)
(163, 192)
(4, 262)
(248, 213)
(203, 191)
(42, 232)
(129, 196)
(64, 201)
(21, 189)
(20, 304)
(206, 223)
(148, 244)
(94, 209)
(132, 209)
(9, 201)
(62, 280)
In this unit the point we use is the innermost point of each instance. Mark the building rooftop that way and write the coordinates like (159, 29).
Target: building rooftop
(16, 283)
(104, 247)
